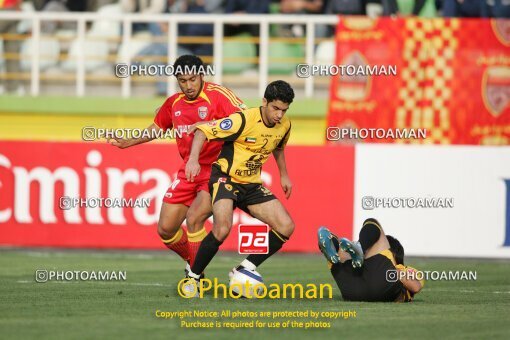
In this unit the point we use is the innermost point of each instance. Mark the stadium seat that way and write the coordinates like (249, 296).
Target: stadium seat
(325, 53)
(374, 10)
(136, 44)
(49, 52)
(95, 55)
(243, 52)
(284, 57)
(2, 61)
(428, 10)
(106, 28)
(25, 25)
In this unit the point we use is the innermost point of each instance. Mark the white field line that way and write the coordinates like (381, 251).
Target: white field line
(154, 284)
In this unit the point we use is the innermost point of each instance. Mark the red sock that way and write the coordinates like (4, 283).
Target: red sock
(194, 241)
(179, 243)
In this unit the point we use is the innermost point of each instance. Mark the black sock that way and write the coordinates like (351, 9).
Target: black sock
(208, 248)
(276, 241)
(369, 233)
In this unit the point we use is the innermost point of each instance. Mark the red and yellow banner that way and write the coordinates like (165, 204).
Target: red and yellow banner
(453, 78)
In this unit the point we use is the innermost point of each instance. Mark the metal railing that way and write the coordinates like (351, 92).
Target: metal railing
(172, 20)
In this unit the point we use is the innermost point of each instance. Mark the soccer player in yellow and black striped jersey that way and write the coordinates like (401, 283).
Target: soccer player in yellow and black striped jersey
(249, 137)
(371, 269)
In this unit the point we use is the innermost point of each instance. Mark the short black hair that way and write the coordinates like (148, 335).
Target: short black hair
(397, 249)
(279, 90)
(188, 62)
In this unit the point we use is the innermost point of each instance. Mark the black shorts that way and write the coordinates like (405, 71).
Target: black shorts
(243, 195)
(368, 283)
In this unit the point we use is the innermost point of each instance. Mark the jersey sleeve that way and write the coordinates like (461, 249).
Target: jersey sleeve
(227, 103)
(413, 270)
(226, 129)
(163, 117)
(284, 140)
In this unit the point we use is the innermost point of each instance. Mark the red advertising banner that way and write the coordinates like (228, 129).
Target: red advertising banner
(452, 78)
(34, 175)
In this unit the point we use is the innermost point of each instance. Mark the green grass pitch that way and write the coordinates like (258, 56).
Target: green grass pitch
(126, 309)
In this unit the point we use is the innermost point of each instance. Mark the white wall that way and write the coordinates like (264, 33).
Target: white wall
(472, 175)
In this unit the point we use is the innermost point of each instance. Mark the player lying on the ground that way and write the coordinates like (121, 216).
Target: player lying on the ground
(249, 139)
(370, 269)
(199, 101)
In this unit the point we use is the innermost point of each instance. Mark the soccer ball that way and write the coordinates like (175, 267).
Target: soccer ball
(247, 283)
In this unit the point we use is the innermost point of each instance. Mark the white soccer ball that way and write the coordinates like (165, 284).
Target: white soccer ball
(247, 283)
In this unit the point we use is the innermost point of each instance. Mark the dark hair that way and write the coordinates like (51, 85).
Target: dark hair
(397, 249)
(279, 90)
(188, 62)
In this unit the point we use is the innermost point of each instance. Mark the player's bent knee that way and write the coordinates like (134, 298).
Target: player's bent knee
(195, 222)
(289, 228)
(286, 227)
(221, 232)
(166, 232)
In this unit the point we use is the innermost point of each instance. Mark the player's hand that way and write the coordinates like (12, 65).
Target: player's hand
(286, 186)
(192, 128)
(192, 170)
(119, 142)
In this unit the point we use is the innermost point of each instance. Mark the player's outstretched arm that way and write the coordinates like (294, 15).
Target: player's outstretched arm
(279, 156)
(192, 166)
(123, 143)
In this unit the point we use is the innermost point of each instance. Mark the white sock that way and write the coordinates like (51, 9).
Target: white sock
(248, 265)
(359, 245)
(193, 275)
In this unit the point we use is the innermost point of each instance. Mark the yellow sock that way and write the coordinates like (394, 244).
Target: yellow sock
(176, 238)
(197, 236)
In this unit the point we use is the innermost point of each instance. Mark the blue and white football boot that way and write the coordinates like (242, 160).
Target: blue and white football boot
(327, 245)
(353, 249)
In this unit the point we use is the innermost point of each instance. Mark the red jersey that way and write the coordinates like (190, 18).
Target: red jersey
(213, 102)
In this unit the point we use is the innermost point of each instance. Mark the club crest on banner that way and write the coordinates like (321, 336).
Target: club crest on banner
(501, 29)
(496, 89)
(355, 87)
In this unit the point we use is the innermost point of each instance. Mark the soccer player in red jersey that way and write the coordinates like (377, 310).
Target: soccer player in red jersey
(199, 101)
